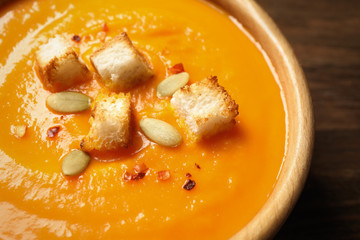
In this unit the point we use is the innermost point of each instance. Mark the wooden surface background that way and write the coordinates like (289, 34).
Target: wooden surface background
(325, 35)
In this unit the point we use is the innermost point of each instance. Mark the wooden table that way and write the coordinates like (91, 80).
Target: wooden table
(325, 35)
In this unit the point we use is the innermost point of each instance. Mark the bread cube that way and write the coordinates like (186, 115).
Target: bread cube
(58, 65)
(205, 107)
(120, 65)
(110, 123)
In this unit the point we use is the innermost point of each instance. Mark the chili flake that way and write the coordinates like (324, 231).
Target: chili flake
(138, 176)
(127, 176)
(198, 166)
(105, 27)
(189, 184)
(76, 38)
(177, 68)
(53, 131)
(139, 173)
(163, 175)
(188, 175)
(140, 168)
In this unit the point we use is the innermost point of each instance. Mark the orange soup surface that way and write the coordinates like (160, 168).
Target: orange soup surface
(235, 171)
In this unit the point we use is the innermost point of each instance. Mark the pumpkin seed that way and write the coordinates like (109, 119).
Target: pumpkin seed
(160, 132)
(75, 163)
(68, 102)
(19, 130)
(171, 84)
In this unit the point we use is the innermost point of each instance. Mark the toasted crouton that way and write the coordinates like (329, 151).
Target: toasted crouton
(59, 66)
(110, 123)
(205, 107)
(120, 65)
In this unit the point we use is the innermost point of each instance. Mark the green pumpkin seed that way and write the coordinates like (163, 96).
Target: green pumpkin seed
(75, 163)
(171, 84)
(160, 132)
(68, 102)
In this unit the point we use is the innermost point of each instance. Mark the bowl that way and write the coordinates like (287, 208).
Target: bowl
(300, 123)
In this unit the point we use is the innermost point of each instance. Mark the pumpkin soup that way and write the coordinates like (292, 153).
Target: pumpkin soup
(205, 188)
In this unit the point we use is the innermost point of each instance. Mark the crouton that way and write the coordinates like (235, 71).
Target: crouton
(120, 65)
(205, 107)
(110, 123)
(58, 65)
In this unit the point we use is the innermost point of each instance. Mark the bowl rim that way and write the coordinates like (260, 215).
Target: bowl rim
(300, 120)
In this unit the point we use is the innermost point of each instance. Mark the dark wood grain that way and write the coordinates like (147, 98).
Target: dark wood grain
(325, 35)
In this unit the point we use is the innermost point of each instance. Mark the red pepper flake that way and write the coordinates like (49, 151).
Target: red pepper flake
(197, 165)
(138, 176)
(189, 184)
(163, 175)
(76, 38)
(140, 172)
(53, 131)
(177, 68)
(188, 175)
(127, 176)
(82, 144)
(140, 168)
(105, 27)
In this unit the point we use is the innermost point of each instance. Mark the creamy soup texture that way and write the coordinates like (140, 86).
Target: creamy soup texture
(235, 171)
